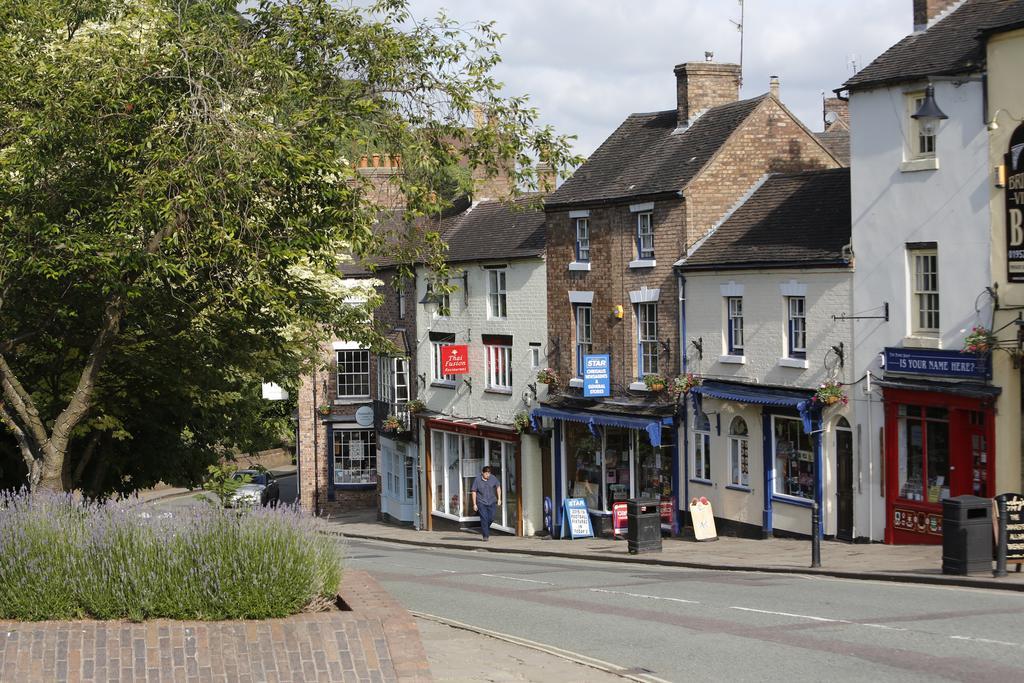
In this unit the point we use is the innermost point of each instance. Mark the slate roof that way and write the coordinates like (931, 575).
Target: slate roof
(837, 141)
(950, 46)
(793, 219)
(644, 157)
(497, 230)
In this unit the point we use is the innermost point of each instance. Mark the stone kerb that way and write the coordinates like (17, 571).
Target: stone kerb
(375, 639)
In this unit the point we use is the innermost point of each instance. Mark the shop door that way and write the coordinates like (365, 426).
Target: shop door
(501, 456)
(844, 481)
(618, 459)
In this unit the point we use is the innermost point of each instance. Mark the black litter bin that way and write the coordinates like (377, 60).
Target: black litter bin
(966, 535)
(643, 531)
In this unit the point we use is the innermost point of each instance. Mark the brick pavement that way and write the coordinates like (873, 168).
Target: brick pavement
(376, 641)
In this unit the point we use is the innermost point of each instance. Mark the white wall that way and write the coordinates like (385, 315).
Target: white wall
(892, 207)
(765, 321)
(527, 321)
(828, 293)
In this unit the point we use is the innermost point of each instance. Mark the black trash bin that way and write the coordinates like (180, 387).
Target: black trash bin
(643, 531)
(966, 535)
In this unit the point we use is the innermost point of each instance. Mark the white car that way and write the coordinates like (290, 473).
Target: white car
(261, 489)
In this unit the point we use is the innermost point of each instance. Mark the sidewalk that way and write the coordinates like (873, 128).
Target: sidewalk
(874, 561)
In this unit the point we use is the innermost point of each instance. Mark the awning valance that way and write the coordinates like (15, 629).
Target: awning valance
(760, 396)
(651, 425)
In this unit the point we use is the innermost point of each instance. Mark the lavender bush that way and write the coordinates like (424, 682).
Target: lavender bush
(61, 558)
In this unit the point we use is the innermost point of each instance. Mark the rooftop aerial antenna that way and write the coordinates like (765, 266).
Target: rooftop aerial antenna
(851, 61)
(739, 27)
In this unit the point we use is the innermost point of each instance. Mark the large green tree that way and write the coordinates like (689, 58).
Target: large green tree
(177, 189)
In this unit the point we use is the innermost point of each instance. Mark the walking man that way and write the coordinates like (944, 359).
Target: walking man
(486, 499)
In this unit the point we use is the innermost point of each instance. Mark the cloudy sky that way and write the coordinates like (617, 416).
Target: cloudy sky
(586, 64)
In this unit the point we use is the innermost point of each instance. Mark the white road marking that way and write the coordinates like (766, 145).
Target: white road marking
(449, 571)
(514, 578)
(883, 626)
(790, 614)
(986, 640)
(641, 595)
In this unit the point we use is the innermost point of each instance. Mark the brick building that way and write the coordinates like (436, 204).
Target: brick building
(615, 228)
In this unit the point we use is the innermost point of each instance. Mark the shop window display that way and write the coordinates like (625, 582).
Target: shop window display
(617, 465)
(583, 463)
(923, 453)
(654, 468)
(794, 458)
(739, 452)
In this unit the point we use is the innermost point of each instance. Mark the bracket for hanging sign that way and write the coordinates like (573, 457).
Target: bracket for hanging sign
(884, 316)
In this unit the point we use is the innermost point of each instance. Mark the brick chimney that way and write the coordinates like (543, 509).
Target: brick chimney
(703, 85)
(841, 109)
(926, 11)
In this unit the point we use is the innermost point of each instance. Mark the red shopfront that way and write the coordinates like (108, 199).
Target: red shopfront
(938, 444)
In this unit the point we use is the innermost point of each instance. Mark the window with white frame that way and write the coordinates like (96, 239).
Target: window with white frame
(355, 456)
(353, 373)
(534, 356)
(437, 343)
(582, 239)
(498, 349)
(410, 477)
(700, 465)
(734, 325)
(924, 265)
(645, 235)
(922, 137)
(497, 295)
(584, 335)
(647, 338)
(797, 326)
(793, 457)
(739, 453)
(393, 380)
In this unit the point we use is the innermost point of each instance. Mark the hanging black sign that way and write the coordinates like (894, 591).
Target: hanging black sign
(1014, 161)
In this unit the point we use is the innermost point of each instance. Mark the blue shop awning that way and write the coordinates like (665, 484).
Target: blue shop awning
(652, 425)
(759, 396)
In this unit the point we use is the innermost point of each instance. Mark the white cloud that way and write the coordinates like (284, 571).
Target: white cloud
(587, 64)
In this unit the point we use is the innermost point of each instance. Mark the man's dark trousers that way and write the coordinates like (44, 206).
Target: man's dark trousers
(486, 517)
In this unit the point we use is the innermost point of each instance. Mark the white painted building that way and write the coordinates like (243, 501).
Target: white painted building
(921, 239)
(498, 312)
(762, 296)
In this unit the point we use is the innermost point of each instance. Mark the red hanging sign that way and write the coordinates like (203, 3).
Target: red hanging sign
(455, 359)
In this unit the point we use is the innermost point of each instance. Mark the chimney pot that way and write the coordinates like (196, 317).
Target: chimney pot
(703, 85)
(709, 56)
(773, 86)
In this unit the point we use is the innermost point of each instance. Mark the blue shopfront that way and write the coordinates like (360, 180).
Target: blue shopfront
(607, 452)
(757, 454)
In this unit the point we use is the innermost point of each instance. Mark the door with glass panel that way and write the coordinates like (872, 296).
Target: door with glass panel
(618, 459)
(501, 456)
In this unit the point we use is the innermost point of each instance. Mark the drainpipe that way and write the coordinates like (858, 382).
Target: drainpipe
(683, 454)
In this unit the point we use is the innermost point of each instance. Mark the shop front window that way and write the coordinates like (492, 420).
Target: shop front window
(794, 458)
(702, 448)
(923, 453)
(617, 455)
(583, 465)
(739, 453)
(355, 456)
(456, 461)
(653, 468)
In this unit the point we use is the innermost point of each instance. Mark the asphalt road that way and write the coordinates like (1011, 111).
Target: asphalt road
(679, 624)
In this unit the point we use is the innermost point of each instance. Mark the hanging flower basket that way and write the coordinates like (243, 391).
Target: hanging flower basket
(980, 340)
(682, 385)
(655, 383)
(324, 409)
(830, 393)
(547, 376)
(416, 406)
(521, 422)
(391, 424)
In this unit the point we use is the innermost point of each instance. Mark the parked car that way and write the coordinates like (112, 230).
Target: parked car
(261, 489)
